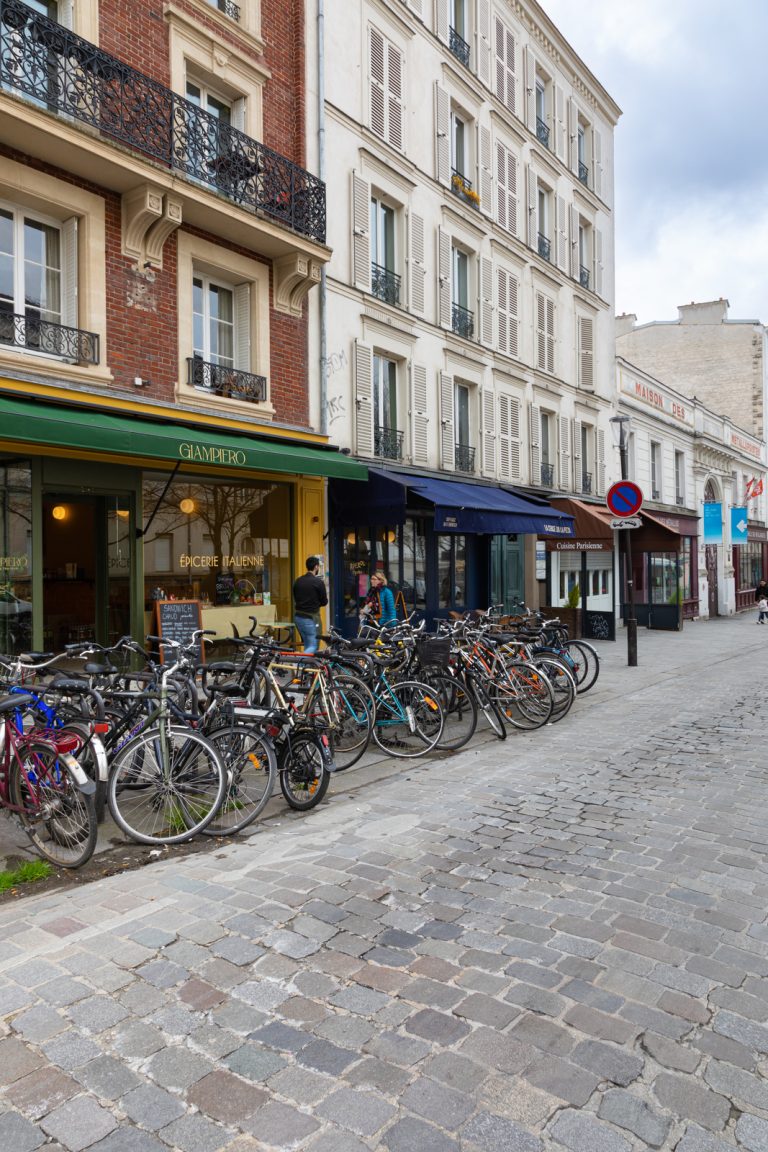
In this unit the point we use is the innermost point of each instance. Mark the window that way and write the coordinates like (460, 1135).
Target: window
(458, 32)
(386, 89)
(581, 154)
(585, 255)
(463, 321)
(387, 438)
(679, 478)
(545, 333)
(542, 127)
(542, 216)
(452, 571)
(655, 471)
(16, 562)
(587, 459)
(213, 322)
(209, 152)
(547, 461)
(385, 282)
(459, 136)
(228, 7)
(464, 454)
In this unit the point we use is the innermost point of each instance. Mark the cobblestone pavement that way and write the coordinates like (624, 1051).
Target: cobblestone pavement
(556, 942)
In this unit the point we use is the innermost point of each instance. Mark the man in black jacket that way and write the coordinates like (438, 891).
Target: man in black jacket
(309, 596)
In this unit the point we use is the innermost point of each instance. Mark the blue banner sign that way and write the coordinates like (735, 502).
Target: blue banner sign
(713, 523)
(738, 525)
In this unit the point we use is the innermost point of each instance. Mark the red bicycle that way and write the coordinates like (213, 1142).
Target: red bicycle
(45, 786)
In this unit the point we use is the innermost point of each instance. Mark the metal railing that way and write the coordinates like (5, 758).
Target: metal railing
(583, 276)
(29, 331)
(680, 500)
(542, 132)
(462, 187)
(655, 494)
(222, 381)
(388, 443)
(229, 9)
(459, 47)
(545, 247)
(583, 173)
(70, 76)
(463, 322)
(385, 285)
(586, 483)
(548, 475)
(464, 458)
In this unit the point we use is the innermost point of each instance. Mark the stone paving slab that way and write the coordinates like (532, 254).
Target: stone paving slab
(556, 942)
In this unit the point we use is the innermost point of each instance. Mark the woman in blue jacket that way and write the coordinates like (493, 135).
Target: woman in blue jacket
(380, 602)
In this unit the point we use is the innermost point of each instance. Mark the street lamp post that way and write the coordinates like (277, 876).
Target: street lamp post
(620, 429)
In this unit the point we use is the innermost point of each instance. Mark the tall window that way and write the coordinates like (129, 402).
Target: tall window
(30, 280)
(387, 438)
(542, 128)
(459, 136)
(581, 154)
(679, 477)
(213, 322)
(459, 17)
(655, 471)
(584, 256)
(461, 414)
(208, 152)
(587, 460)
(547, 460)
(452, 571)
(385, 283)
(542, 209)
(462, 319)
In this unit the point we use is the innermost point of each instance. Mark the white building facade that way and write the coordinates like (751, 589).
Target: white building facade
(466, 325)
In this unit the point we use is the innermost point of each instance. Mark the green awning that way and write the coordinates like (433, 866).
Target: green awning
(36, 422)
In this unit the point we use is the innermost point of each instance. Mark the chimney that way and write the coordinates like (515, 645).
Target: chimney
(624, 324)
(709, 312)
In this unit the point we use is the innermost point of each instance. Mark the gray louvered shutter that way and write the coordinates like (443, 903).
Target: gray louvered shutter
(394, 97)
(561, 235)
(419, 418)
(361, 233)
(363, 399)
(513, 318)
(564, 437)
(541, 331)
(242, 309)
(502, 327)
(66, 13)
(483, 41)
(441, 19)
(534, 421)
(578, 464)
(442, 135)
(561, 133)
(416, 7)
(550, 328)
(598, 285)
(447, 435)
(575, 256)
(484, 168)
(69, 292)
(502, 409)
(486, 301)
(488, 412)
(514, 438)
(416, 266)
(573, 137)
(586, 352)
(444, 278)
(597, 161)
(533, 224)
(600, 470)
(377, 83)
(530, 90)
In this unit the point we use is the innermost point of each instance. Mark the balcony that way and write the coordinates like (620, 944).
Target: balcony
(464, 458)
(583, 276)
(548, 475)
(64, 74)
(459, 47)
(462, 188)
(388, 443)
(222, 381)
(463, 322)
(31, 332)
(586, 483)
(385, 285)
(655, 494)
(229, 9)
(584, 174)
(542, 132)
(545, 248)
(679, 500)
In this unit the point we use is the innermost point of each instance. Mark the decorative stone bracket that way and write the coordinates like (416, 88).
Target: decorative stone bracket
(293, 276)
(149, 217)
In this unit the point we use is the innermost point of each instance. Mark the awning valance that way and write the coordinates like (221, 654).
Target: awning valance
(92, 430)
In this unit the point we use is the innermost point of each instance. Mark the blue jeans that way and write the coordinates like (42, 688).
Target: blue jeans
(308, 632)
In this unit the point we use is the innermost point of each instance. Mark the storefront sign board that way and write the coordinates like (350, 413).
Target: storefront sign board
(713, 523)
(177, 620)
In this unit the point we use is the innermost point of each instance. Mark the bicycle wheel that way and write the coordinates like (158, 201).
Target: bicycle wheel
(586, 663)
(488, 707)
(166, 787)
(524, 695)
(458, 705)
(304, 775)
(562, 682)
(251, 769)
(409, 720)
(351, 734)
(59, 819)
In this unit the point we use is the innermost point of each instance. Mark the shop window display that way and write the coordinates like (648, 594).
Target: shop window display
(15, 556)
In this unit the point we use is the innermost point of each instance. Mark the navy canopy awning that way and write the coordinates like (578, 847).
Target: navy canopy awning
(459, 506)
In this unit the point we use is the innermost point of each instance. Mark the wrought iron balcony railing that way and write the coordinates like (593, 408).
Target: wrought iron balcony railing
(30, 331)
(462, 187)
(548, 475)
(459, 47)
(583, 276)
(464, 458)
(222, 381)
(655, 494)
(388, 443)
(583, 173)
(385, 285)
(545, 248)
(463, 322)
(679, 499)
(70, 76)
(542, 132)
(229, 9)
(586, 483)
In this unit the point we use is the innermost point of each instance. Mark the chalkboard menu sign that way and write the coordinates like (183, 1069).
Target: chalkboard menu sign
(178, 620)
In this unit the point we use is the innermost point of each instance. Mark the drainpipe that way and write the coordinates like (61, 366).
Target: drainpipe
(321, 173)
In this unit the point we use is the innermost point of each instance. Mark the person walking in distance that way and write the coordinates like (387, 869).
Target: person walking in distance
(309, 596)
(762, 610)
(380, 603)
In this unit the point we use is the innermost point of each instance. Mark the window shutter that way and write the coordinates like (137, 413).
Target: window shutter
(486, 301)
(600, 477)
(415, 6)
(444, 278)
(560, 124)
(562, 236)
(361, 233)
(541, 331)
(505, 80)
(564, 431)
(534, 420)
(507, 326)
(573, 137)
(502, 327)
(575, 255)
(484, 168)
(598, 235)
(395, 96)
(237, 114)
(533, 187)
(243, 327)
(484, 42)
(442, 20)
(513, 322)
(506, 188)
(530, 90)
(66, 13)
(489, 431)
(550, 330)
(416, 267)
(364, 398)
(514, 438)
(447, 437)
(419, 418)
(69, 299)
(586, 352)
(377, 93)
(504, 453)
(597, 161)
(443, 131)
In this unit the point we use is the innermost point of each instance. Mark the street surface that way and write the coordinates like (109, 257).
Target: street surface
(556, 942)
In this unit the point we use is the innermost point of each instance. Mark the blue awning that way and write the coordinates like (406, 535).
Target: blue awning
(459, 506)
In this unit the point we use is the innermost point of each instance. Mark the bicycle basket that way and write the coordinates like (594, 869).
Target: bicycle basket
(433, 651)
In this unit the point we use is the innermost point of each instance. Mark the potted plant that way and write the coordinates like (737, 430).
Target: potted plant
(568, 613)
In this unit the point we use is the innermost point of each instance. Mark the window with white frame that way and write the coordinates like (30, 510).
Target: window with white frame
(387, 437)
(385, 281)
(541, 106)
(462, 320)
(544, 237)
(464, 457)
(581, 153)
(459, 141)
(386, 89)
(679, 477)
(655, 470)
(545, 332)
(586, 480)
(585, 255)
(547, 449)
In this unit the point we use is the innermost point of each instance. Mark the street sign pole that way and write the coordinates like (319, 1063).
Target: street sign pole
(627, 539)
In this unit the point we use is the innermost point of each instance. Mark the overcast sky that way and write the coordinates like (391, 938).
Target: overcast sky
(691, 147)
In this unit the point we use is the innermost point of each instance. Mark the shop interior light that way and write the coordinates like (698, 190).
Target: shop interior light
(59, 512)
(351, 538)
(187, 506)
(123, 513)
